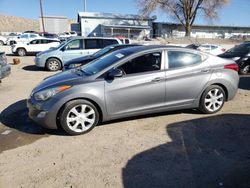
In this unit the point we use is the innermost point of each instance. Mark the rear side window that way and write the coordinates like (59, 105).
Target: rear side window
(177, 59)
(93, 44)
(213, 47)
(107, 42)
(127, 41)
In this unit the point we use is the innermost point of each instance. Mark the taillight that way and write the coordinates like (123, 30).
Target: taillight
(223, 49)
(233, 66)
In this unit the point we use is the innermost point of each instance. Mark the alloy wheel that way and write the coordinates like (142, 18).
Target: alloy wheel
(81, 118)
(214, 100)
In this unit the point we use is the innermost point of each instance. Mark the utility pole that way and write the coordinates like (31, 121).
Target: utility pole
(41, 10)
(85, 5)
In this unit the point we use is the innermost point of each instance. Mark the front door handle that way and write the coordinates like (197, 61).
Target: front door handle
(159, 79)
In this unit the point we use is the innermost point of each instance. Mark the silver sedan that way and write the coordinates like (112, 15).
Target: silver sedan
(131, 82)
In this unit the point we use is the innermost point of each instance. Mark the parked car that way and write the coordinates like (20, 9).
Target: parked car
(241, 55)
(86, 59)
(3, 40)
(25, 38)
(54, 59)
(193, 46)
(5, 68)
(34, 46)
(211, 49)
(64, 36)
(130, 82)
(49, 35)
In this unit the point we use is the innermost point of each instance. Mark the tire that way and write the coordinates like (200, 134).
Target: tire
(21, 52)
(53, 64)
(74, 118)
(212, 100)
(1, 43)
(245, 69)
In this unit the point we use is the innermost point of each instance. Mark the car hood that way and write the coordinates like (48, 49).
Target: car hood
(46, 51)
(80, 60)
(63, 78)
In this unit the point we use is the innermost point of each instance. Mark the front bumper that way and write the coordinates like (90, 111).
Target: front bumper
(5, 71)
(39, 62)
(41, 115)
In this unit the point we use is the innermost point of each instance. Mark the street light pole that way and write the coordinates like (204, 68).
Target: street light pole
(85, 5)
(41, 10)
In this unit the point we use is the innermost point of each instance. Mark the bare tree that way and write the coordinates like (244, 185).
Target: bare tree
(185, 11)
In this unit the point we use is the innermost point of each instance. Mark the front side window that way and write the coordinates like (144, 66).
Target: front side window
(93, 44)
(177, 59)
(24, 36)
(74, 45)
(33, 36)
(35, 42)
(145, 63)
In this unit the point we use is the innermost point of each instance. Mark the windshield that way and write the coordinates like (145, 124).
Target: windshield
(60, 45)
(103, 51)
(100, 64)
(242, 48)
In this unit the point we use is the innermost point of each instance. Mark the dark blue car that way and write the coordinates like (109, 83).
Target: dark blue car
(74, 63)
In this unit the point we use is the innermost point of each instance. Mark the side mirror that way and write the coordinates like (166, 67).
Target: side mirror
(18, 37)
(115, 73)
(28, 43)
(51, 48)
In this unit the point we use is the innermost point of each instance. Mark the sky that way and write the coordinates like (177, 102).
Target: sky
(237, 13)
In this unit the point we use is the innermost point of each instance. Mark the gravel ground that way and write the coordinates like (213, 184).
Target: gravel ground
(177, 149)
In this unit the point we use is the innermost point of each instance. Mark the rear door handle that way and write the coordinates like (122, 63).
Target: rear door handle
(205, 70)
(159, 79)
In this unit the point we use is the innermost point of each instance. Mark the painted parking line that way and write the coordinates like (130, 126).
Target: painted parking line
(6, 132)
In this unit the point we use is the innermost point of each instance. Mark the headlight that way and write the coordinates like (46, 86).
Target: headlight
(48, 93)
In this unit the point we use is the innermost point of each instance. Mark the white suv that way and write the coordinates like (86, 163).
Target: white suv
(34, 46)
(25, 37)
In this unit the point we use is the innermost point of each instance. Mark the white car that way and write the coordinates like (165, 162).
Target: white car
(3, 40)
(66, 35)
(24, 38)
(211, 49)
(34, 46)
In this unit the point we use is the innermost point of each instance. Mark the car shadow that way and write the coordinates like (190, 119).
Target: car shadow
(33, 68)
(16, 117)
(207, 152)
(244, 82)
(151, 115)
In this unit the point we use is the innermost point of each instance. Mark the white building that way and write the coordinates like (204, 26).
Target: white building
(108, 24)
(55, 24)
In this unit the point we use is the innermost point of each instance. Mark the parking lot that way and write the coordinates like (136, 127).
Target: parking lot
(172, 149)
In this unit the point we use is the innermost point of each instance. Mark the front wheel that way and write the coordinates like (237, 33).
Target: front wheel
(21, 52)
(53, 64)
(245, 69)
(212, 100)
(79, 117)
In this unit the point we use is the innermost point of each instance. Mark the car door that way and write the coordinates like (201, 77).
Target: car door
(186, 76)
(140, 90)
(92, 45)
(34, 46)
(72, 50)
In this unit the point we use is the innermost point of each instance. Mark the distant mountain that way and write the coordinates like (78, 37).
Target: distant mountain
(17, 24)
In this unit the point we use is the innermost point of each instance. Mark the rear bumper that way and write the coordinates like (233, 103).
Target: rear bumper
(5, 71)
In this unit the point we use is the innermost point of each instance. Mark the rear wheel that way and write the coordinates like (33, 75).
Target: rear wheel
(1, 43)
(245, 69)
(212, 100)
(53, 64)
(79, 117)
(21, 52)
